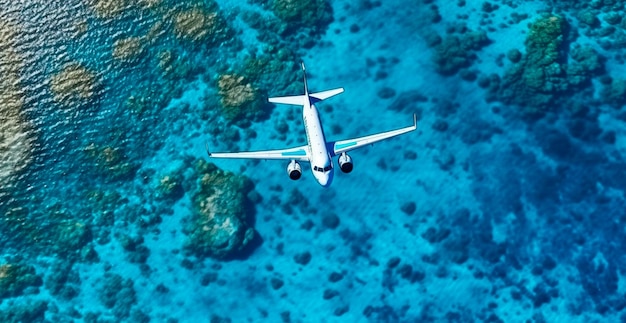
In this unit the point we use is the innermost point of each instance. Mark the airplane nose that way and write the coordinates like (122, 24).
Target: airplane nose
(327, 179)
(324, 179)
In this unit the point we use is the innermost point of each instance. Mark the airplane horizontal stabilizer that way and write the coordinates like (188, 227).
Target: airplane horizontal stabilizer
(293, 100)
(326, 94)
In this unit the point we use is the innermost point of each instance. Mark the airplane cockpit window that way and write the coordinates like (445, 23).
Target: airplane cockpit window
(322, 169)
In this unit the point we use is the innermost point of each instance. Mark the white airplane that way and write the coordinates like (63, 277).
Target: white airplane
(317, 151)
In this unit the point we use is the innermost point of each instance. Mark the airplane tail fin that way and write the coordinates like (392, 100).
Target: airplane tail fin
(301, 99)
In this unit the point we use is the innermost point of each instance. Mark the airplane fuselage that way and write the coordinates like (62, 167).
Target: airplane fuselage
(321, 162)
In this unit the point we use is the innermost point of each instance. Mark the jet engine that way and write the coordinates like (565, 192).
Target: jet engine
(294, 170)
(345, 163)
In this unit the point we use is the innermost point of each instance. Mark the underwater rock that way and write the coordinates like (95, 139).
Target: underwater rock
(173, 66)
(25, 311)
(109, 9)
(384, 313)
(386, 93)
(111, 161)
(587, 58)
(478, 131)
(440, 125)
(585, 129)
(457, 249)
(118, 295)
(166, 58)
(199, 24)
(220, 226)
(302, 258)
(598, 275)
(409, 155)
(238, 98)
(276, 283)
(74, 86)
(408, 208)
(588, 18)
(456, 52)
(303, 13)
(433, 235)
(63, 281)
(612, 18)
(274, 71)
(341, 310)
(393, 262)
(330, 220)
(468, 75)
(335, 277)
(16, 138)
(329, 294)
(543, 73)
(614, 93)
(208, 278)
(128, 50)
(137, 252)
(557, 145)
(514, 55)
(170, 186)
(70, 237)
(16, 277)
(405, 271)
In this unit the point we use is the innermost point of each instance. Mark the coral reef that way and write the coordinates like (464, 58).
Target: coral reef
(200, 24)
(63, 281)
(273, 72)
(170, 186)
(457, 51)
(111, 161)
(173, 66)
(118, 294)
(137, 104)
(74, 86)
(237, 97)
(79, 28)
(148, 4)
(16, 277)
(137, 252)
(301, 13)
(26, 311)
(543, 72)
(544, 40)
(614, 93)
(70, 237)
(109, 8)
(16, 140)
(129, 49)
(221, 226)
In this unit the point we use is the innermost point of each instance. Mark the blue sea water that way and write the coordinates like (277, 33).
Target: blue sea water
(506, 205)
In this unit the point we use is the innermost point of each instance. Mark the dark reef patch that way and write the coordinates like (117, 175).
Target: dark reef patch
(456, 52)
(545, 77)
(222, 223)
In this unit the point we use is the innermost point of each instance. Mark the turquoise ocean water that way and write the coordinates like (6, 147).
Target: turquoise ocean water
(506, 204)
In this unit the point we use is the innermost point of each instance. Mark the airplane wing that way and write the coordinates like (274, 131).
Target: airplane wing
(343, 146)
(298, 153)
